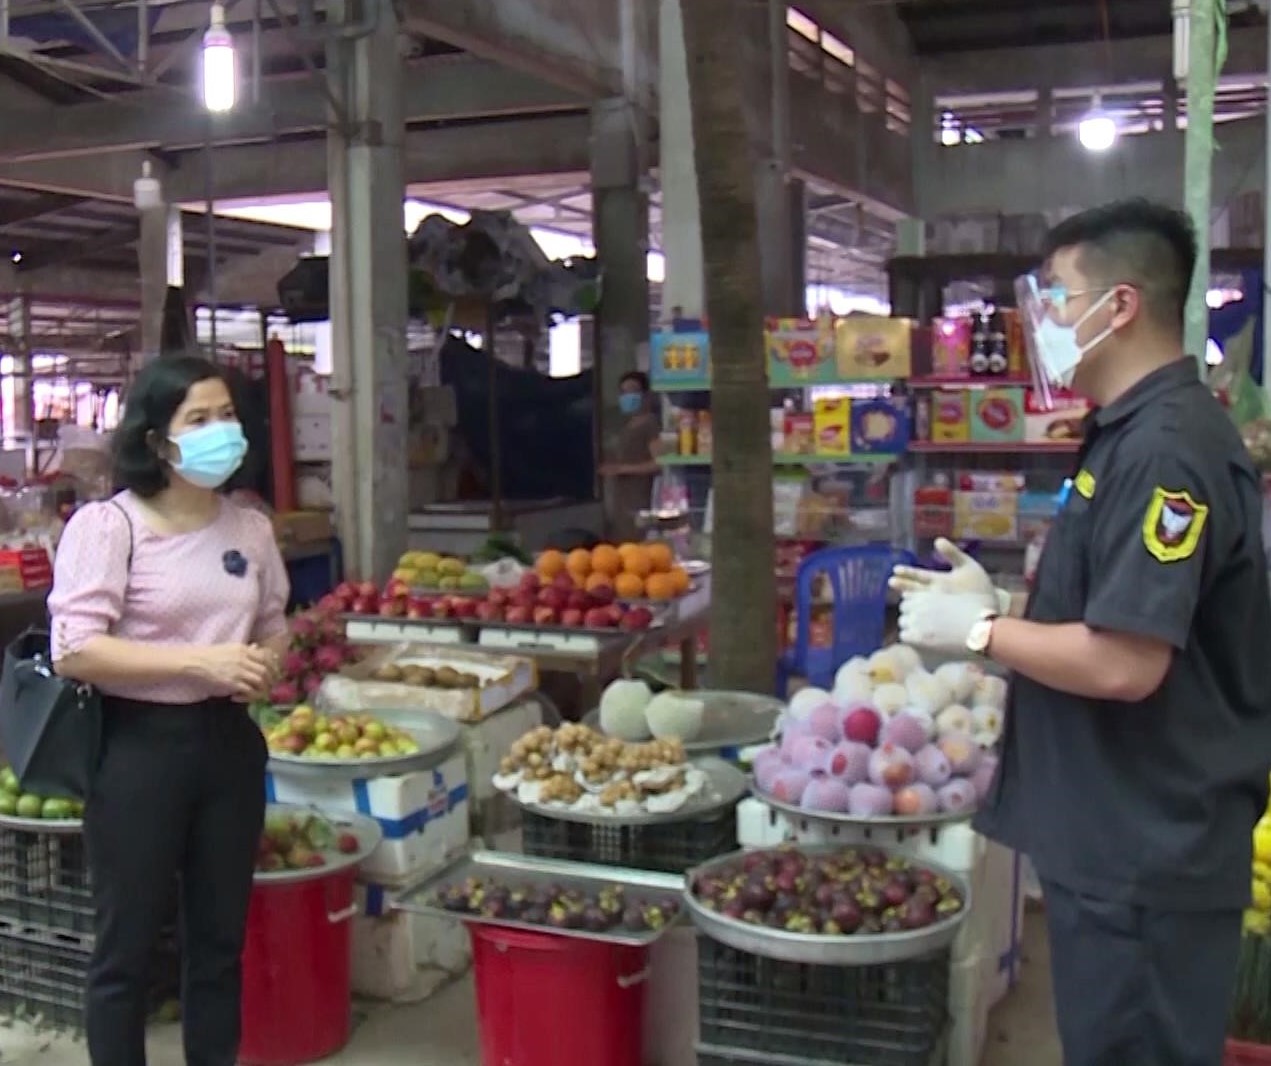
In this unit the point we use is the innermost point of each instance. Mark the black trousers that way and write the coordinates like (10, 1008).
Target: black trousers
(1136, 986)
(180, 795)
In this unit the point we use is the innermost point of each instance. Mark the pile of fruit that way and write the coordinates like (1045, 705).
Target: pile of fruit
(559, 603)
(853, 892)
(578, 769)
(631, 571)
(421, 676)
(558, 907)
(300, 842)
(1258, 917)
(891, 739)
(308, 734)
(14, 803)
(428, 571)
(318, 647)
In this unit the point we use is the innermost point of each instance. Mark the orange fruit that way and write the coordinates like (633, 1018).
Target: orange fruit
(660, 587)
(550, 563)
(605, 559)
(679, 580)
(597, 580)
(629, 586)
(638, 562)
(661, 556)
(579, 562)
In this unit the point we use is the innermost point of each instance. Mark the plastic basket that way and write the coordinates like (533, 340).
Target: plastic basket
(667, 847)
(44, 881)
(753, 1009)
(42, 976)
(1243, 1053)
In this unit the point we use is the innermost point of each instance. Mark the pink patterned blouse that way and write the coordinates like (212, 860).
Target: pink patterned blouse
(225, 583)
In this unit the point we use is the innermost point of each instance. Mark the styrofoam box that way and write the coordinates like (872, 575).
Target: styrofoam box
(400, 956)
(371, 630)
(969, 1008)
(488, 741)
(670, 1005)
(424, 814)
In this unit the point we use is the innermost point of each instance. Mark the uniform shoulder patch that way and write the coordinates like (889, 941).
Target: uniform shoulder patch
(1084, 483)
(1173, 525)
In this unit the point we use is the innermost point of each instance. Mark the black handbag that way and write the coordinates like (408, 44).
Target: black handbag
(50, 726)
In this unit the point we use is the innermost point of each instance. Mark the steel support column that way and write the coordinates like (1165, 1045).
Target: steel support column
(368, 292)
(681, 214)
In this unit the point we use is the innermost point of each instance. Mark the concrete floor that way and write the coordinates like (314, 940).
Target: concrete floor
(442, 1030)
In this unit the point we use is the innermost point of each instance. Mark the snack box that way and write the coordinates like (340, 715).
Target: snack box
(1036, 512)
(800, 434)
(950, 347)
(880, 426)
(832, 426)
(950, 416)
(933, 511)
(1063, 423)
(986, 516)
(997, 415)
(873, 346)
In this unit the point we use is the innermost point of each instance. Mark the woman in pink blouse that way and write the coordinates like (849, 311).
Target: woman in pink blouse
(170, 600)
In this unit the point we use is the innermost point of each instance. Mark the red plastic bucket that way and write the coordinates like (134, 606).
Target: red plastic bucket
(524, 982)
(1241, 1053)
(297, 965)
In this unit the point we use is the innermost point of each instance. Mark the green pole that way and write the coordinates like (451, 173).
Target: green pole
(1202, 76)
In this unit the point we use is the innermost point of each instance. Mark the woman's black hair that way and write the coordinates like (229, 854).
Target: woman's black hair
(150, 403)
(638, 376)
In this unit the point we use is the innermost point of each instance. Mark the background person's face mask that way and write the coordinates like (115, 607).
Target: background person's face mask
(209, 455)
(629, 403)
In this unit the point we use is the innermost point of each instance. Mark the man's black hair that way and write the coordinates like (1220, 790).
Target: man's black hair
(152, 399)
(638, 376)
(1135, 242)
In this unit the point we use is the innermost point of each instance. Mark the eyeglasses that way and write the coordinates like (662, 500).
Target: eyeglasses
(1057, 296)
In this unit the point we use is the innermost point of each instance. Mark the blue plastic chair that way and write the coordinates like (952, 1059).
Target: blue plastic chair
(857, 578)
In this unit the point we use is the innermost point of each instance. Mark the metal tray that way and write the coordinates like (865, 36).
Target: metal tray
(727, 785)
(868, 949)
(890, 821)
(522, 870)
(53, 827)
(366, 829)
(731, 719)
(438, 737)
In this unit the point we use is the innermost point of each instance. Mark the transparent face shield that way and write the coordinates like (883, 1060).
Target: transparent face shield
(1054, 351)
(1032, 312)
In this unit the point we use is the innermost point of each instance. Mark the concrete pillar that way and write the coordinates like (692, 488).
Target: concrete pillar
(368, 292)
(161, 254)
(911, 237)
(782, 209)
(681, 215)
(620, 227)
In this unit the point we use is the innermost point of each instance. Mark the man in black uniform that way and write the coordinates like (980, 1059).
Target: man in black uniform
(1138, 735)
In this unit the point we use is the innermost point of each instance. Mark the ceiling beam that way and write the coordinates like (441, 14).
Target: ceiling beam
(57, 253)
(39, 207)
(436, 89)
(1079, 66)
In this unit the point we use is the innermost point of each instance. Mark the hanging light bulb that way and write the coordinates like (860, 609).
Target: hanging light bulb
(1097, 130)
(220, 78)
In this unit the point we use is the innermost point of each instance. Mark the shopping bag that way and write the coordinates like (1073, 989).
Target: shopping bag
(50, 726)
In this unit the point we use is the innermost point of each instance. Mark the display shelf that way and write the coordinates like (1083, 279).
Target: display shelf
(937, 381)
(1057, 447)
(786, 460)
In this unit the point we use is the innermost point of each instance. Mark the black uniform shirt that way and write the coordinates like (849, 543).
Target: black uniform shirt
(1150, 803)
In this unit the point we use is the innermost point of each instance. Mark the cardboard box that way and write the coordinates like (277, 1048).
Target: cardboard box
(880, 427)
(986, 516)
(950, 416)
(800, 434)
(1063, 423)
(933, 511)
(873, 347)
(950, 347)
(832, 426)
(303, 527)
(997, 415)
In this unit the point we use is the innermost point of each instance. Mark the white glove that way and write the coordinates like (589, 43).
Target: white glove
(942, 621)
(966, 576)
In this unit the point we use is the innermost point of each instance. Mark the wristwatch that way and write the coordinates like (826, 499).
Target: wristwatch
(977, 640)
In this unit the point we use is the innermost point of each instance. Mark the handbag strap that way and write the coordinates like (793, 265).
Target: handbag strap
(119, 507)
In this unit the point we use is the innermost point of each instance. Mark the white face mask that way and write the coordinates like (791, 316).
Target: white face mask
(1058, 347)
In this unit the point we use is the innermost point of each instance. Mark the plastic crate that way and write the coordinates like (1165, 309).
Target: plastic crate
(44, 881)
(753, 1009)
(42, 976)
(667, 847)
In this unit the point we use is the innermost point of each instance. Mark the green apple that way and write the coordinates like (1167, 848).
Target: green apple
(8, 804)
(56, 810)
(9, 782)
(30, 806)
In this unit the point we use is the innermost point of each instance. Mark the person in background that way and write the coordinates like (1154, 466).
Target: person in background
(170, 599)
(1138, 731)
(635, 450)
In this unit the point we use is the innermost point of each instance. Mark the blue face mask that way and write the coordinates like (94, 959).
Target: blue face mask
(210, 454)
(629, 403)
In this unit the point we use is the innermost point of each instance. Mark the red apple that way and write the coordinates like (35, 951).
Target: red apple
(347, 591)
(333, 604)
(571, 617)
(524, 598)
(367, 588)
(564, 583)
(464, 607)
(578, 600)
(499, 598)
(529, 582)
(545, 616)
(637, 618)
(616, 612)
(553, 598)
(365, 605)
(442, 609)
(393, 608)
(489, 612)
(601, 595)
(419, 610)
(518, 615)
(396, 588)
(598, 618)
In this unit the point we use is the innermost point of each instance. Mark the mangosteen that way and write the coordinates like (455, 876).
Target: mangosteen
(917, 913)
(788, 881)
(893, 924)
(494, 907)
(873, 858)
(633, 918)
(949, 905)
(869, 900)
(801, 922)
(757, 894)
(535, 914)
(824, 894)
(846, 915)
(871, 923)
(595, 920)
(927, 893)
(734, 909)
(786, 903)
(753, 917)
(895, 892)
(654, 916)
